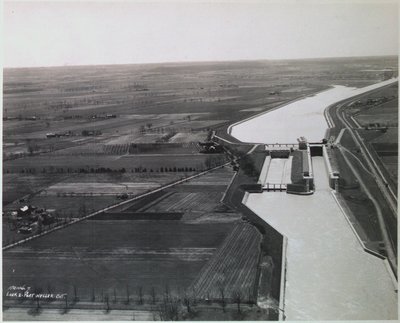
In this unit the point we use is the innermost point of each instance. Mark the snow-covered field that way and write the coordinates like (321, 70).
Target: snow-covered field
(304, 117)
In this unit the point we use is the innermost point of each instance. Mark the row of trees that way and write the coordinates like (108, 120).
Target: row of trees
(210, 162)
(166, 306)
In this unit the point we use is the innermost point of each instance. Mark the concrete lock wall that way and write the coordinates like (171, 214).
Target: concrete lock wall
(252, 188)
(306, 186)
(333, 179)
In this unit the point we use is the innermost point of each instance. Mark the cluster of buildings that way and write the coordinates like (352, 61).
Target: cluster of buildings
(28, 216)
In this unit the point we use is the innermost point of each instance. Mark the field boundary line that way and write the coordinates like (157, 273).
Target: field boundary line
(228, 187)
(281, 305)
(111, 207)
(156, 201)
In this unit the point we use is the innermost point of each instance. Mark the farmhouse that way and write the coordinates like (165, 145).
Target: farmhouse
(25, 210)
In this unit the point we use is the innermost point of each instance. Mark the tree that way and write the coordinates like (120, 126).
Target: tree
(66, 303)
(221, 289)
(40, 224)
(76, 298)
(82, 210)
(167, 291)
(127, 295)
(37, 304)
(250, 299)
(237, 298)
(153, 295)
(140, 295)
(168, 310)
(106, 300)
(32, 147)
(188, 302)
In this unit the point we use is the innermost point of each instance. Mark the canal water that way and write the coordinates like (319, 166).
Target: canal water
(304, 117)
(329, 276)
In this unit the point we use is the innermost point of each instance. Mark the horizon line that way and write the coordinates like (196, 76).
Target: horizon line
(202, 61)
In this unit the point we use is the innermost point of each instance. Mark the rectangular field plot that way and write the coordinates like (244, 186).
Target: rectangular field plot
(233, 268)
(108, 255)
(189, 137)
(218, 177)
(185, 201)
(16, 186)
(82, 188)
(385, 114)
(165, 148)
(133, 148)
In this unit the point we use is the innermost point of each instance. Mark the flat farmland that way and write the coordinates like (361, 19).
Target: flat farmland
(201, 194)
(65, 207)
(132, 128)
(113, 254)
(165, 148)
(114, 162)
(185, 98)
(384, 114)
(73, 195)
(120, 178)
(73, 206)
(96, 188)
(384, 145)
(189, 137)
(233, 268)
(218, 89)
(218, 177)
(16, 186)
(130, 148)
(187, 201)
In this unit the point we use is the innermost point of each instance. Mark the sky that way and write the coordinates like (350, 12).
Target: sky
(59, 33)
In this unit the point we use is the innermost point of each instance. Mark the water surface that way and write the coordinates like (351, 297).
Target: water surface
(304, 117)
